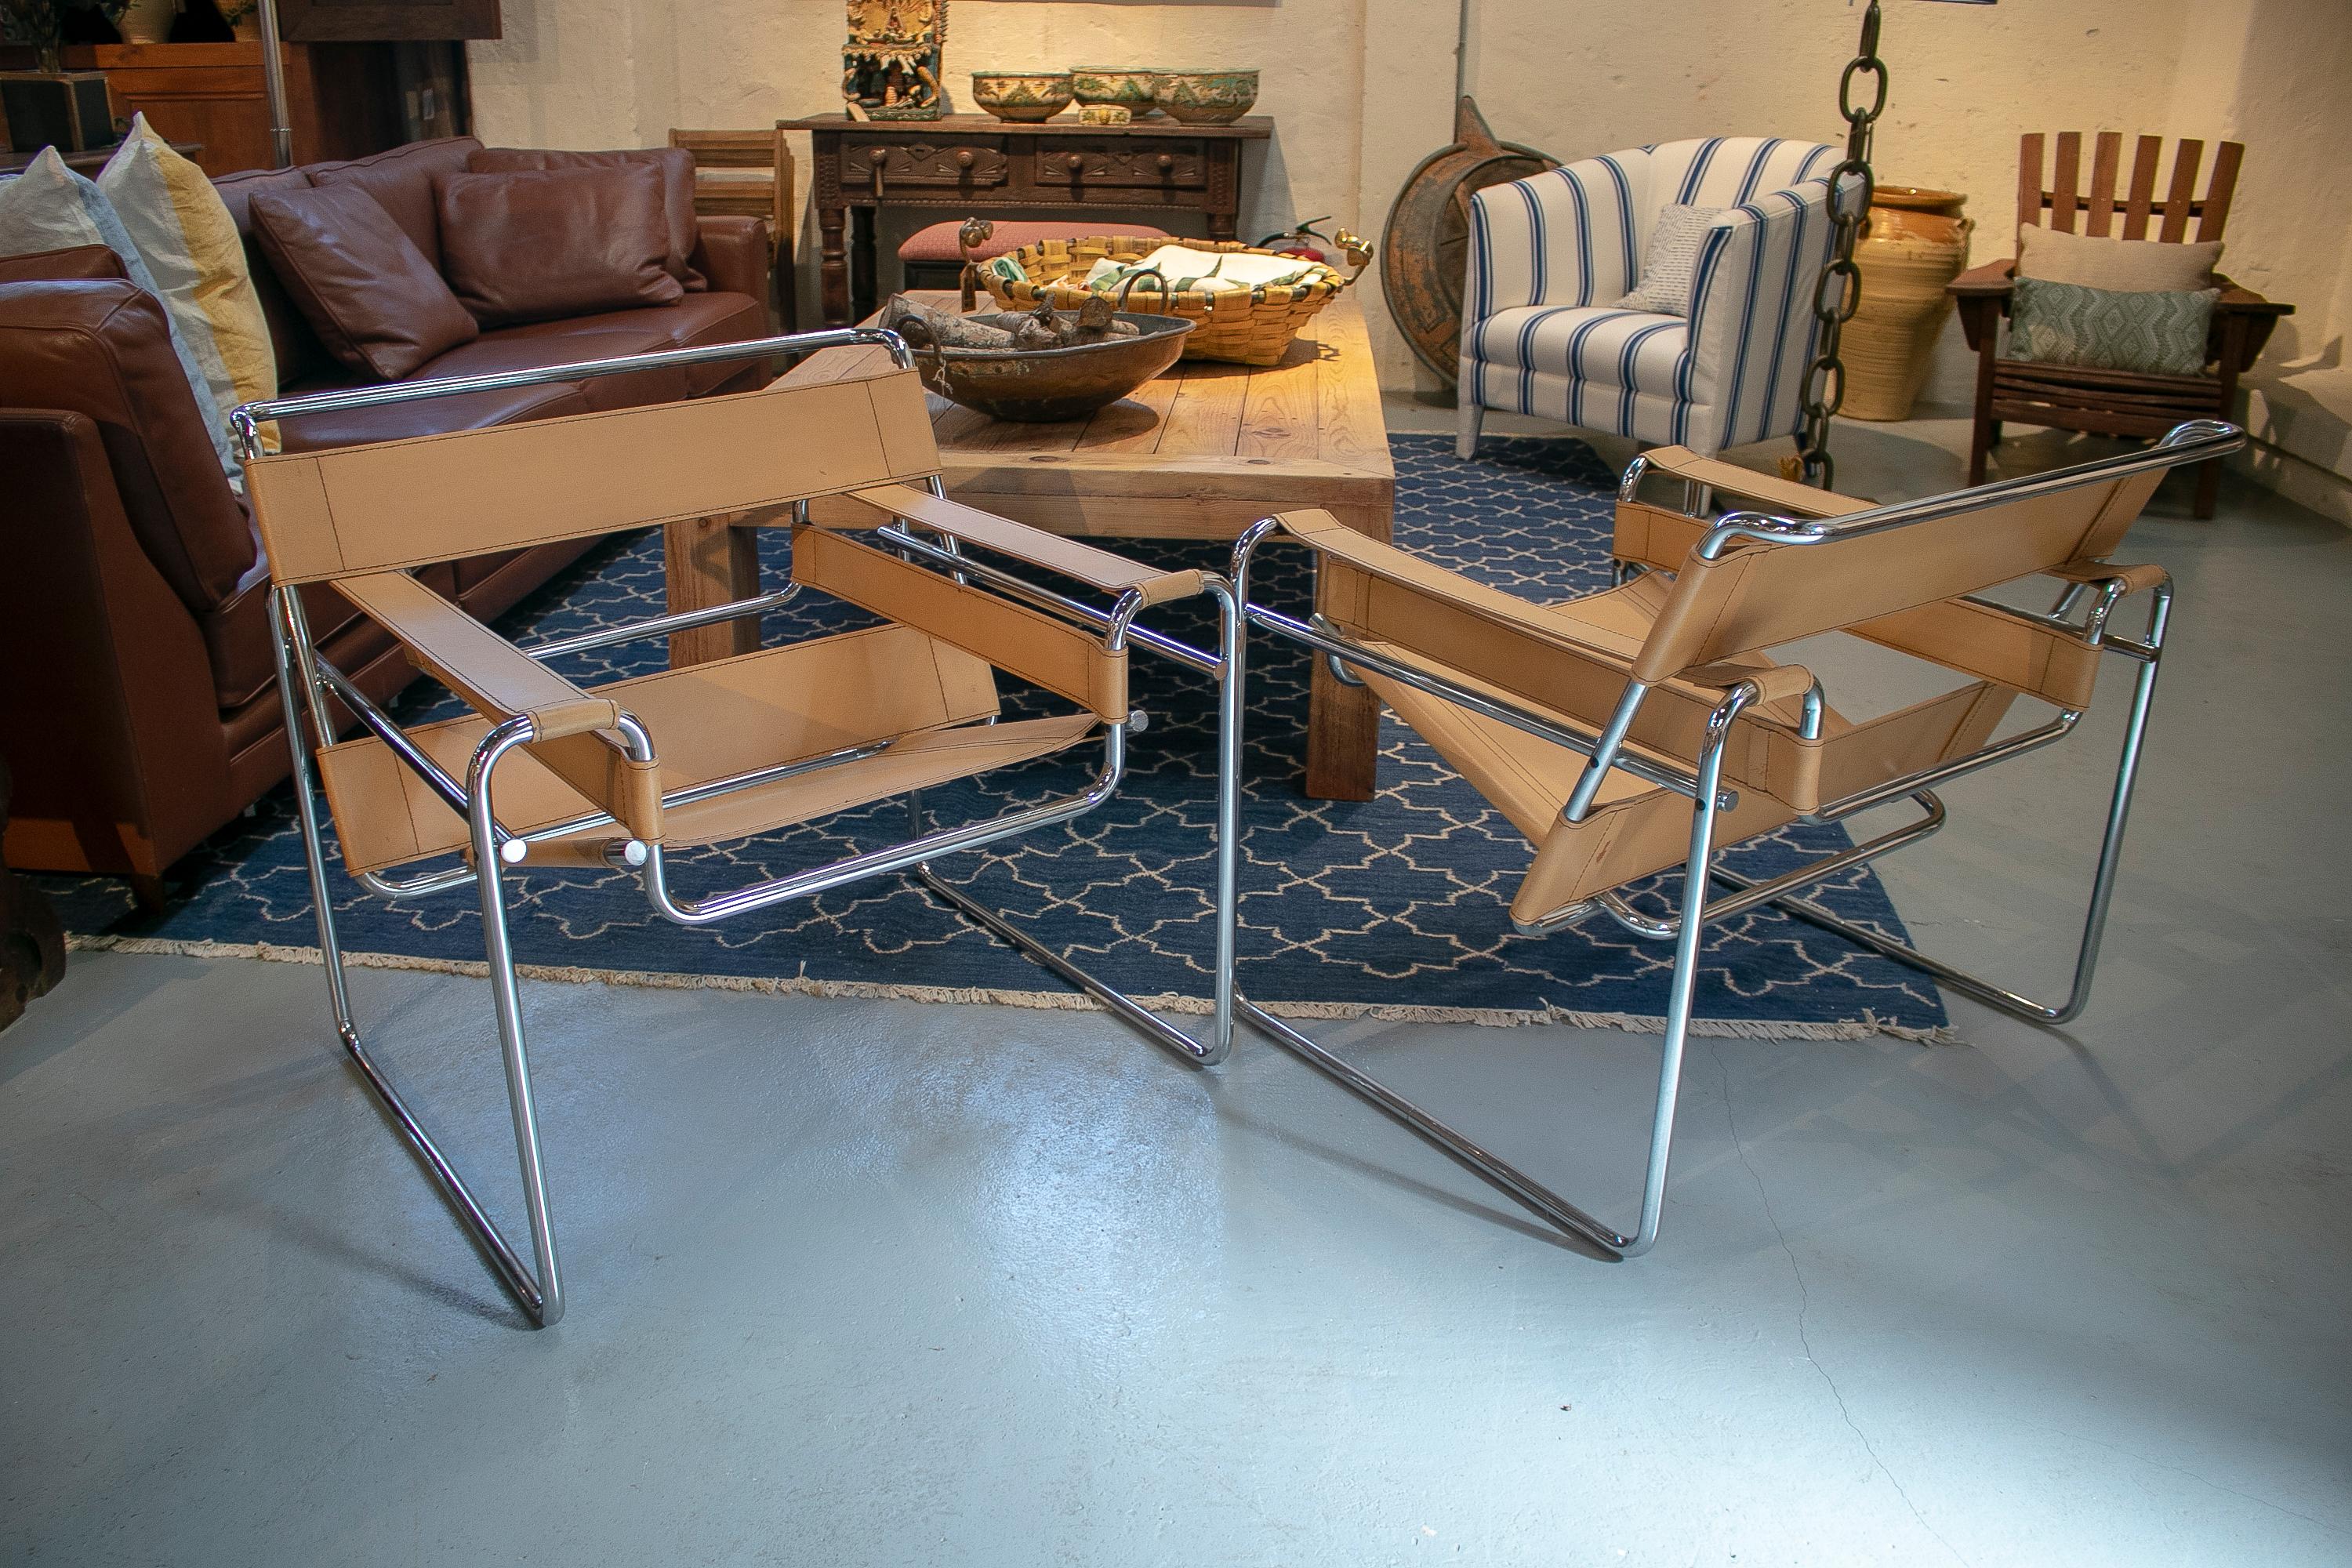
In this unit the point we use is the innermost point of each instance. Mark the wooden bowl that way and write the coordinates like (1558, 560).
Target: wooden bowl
(1022, 96)
(1043, 385)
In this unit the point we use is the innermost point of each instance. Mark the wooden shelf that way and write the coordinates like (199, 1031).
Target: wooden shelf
(342, 100)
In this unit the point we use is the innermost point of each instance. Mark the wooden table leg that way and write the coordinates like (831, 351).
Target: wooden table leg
(833, 267)
(1343, 722)
(707, 562)
(862, 300)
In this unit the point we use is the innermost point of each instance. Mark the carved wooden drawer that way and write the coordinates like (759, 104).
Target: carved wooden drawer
(922, 165)
(1173, 164)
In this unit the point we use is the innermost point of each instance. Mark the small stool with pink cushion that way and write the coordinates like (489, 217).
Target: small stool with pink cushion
(932, 259)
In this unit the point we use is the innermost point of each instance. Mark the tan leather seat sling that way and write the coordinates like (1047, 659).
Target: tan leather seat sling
(545, 771)
(1648, 726)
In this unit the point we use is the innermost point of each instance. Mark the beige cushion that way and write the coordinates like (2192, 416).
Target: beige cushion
(190, 243)
(50, 207)
(2121, 266)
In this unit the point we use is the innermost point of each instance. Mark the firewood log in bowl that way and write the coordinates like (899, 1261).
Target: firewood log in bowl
(1045, 385)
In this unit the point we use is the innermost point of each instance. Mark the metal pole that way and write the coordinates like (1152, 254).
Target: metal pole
(273, 86)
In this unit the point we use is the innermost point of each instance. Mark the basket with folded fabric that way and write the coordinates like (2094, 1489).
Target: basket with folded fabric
(1247, 303)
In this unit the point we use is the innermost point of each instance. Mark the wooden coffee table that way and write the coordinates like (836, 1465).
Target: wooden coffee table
(1199, 453)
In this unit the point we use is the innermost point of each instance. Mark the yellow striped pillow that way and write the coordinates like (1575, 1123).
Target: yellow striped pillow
(184, 234)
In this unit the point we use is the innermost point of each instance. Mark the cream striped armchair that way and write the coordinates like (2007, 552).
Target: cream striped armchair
(1550, 255)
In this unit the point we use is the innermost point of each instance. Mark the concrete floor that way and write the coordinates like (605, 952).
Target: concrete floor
(886, 1284)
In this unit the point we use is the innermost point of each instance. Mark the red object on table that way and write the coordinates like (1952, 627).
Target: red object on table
(936, 242)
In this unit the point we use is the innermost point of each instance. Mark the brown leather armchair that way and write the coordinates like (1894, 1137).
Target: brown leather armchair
(141, 711)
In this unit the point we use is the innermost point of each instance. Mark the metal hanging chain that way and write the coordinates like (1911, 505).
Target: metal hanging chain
(1839, 291)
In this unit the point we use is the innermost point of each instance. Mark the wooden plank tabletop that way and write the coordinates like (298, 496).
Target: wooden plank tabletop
(1201, 451)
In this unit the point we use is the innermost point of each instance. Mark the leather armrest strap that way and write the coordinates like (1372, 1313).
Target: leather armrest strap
(500, 681)
(1779, 495)
(1070, 557)
(1327, 535)
(498, 678)
(2136, 579)
(1773, 682)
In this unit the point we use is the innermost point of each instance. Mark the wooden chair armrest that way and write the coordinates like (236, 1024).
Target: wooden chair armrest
(1991, 279)
(1778, 494)
(2245, 300)
(1072, 558)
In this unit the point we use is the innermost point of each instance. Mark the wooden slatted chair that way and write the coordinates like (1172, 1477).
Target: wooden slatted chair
(1632, 730)
(547, 771)
(749, 174)
(2114, 402)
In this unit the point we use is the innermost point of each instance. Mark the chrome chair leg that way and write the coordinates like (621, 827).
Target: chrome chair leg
(1508, 1178)
(1220, 1042)
(544, 1305)
(2102, 879)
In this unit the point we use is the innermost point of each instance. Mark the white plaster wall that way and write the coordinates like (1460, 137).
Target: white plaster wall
(585, 73)
(1361, 89)
(2272, 74)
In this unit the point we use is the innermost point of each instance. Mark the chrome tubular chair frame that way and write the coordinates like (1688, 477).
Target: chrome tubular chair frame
(1703, 786)
(308, 683)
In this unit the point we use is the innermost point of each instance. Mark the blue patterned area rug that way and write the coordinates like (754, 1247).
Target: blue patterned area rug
(1392, 907)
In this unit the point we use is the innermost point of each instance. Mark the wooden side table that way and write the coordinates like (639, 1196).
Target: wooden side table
(979, 164)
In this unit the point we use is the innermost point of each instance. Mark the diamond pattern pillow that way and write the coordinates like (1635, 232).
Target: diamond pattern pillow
(2160, 333)
(1673, 257)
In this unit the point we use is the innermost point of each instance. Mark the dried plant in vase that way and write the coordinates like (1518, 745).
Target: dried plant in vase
(42, 23)
(890, 66)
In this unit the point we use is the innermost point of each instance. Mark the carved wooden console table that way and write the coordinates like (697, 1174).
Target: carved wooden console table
(976, 162)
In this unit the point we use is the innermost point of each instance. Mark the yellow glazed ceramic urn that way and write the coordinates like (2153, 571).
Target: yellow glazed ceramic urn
(1914, 242)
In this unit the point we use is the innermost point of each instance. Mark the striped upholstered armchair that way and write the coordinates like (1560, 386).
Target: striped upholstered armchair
(1550, 257)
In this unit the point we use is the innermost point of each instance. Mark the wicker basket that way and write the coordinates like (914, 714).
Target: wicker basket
(1252, 328)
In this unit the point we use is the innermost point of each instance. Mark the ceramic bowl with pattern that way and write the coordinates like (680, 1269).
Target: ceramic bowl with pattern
(1205, 97)
(1132, 90)
(1022, 95)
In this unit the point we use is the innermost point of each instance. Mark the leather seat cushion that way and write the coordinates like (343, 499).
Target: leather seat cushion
(717, 317)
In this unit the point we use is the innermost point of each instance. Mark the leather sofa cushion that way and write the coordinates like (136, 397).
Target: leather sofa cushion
(371, 295)
(298, 351)
(73, 263)
(402, 182)
(694, 322)
(535, 244)
(100, 348)
(398, 421)
(676, 166)
(355, 647)
(237, 637)
(504, 349)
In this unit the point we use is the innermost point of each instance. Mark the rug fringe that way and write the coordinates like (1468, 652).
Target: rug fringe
(1862, 1028)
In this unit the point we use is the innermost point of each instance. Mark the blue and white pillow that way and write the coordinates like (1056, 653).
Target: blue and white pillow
(50, 207)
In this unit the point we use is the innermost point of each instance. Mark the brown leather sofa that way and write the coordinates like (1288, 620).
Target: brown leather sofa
(140, 711)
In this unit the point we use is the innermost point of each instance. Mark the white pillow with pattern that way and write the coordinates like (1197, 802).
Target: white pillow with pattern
(1673, 257)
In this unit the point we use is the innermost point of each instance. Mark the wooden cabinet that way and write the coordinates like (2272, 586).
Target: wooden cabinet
(975, 163)
(413, 21)
(342, 100)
